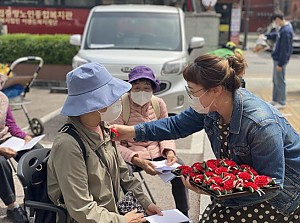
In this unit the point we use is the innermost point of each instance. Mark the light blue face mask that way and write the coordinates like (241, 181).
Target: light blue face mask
(112, 112)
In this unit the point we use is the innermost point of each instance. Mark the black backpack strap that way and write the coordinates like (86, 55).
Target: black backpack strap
(71, 130)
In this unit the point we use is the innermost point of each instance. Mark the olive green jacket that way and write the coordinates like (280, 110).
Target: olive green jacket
(88, 187)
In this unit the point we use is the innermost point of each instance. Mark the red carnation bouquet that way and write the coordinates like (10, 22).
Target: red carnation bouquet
(223, 177)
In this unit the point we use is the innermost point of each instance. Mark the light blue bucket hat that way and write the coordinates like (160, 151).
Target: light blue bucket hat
(90, 88)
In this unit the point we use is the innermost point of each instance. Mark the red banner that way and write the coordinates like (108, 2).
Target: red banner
(43, 20)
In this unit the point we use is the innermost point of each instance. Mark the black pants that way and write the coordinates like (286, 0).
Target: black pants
(179, 192)
(7, 187)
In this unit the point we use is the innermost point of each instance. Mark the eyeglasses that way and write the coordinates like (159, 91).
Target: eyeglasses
(190, 93)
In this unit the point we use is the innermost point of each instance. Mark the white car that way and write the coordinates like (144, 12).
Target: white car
(121, 37)
(296, 38)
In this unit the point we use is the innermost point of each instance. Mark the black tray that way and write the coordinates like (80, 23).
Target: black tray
(226, 196)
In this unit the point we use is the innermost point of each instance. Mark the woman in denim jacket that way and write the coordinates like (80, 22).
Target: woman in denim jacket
(241, 127)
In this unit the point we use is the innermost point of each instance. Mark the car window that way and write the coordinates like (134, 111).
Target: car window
(134, 30)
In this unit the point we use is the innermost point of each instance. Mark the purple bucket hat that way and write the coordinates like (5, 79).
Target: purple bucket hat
(140, 72)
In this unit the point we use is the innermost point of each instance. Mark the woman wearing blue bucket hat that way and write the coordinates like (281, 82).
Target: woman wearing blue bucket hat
(91, 188)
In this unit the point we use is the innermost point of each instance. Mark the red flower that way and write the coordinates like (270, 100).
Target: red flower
(235, 171)
(193, 174)
(229, 176)
(250, 185)
(252, 171)
(212, 164)
(198, 178)
(244, 176)
(221, 170)
(239, 183)
(185, 170)
(228, 185)
(215, 180)
(113, 133)
(216, 187)
(262, 181)
(209, 174)
(229, 163)
(197, 167)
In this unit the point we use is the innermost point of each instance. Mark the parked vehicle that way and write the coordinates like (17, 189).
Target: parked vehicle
(124, 36)
(296, 38)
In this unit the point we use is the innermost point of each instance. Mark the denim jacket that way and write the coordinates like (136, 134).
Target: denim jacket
(258, 136)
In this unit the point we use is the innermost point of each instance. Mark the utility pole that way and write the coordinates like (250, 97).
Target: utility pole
(246, 24)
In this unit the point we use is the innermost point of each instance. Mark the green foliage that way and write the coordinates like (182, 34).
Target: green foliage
(54, 49)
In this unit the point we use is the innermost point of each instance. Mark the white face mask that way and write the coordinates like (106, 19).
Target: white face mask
(197, 105)
(112, 112)
(141, 97)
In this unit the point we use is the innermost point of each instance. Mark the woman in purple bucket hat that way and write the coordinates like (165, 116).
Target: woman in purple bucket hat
(140, 105)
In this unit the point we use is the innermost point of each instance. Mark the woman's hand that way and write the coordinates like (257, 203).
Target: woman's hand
(134, 217)
(153, 209)
(146, 165)
(171, 158)
(8, 152)
(27, 138)
(187, 184)
(124, 132)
